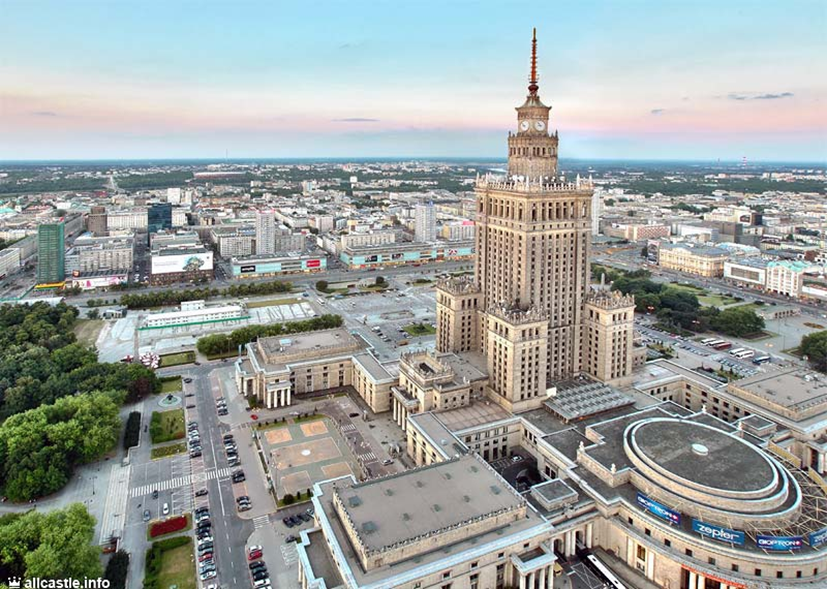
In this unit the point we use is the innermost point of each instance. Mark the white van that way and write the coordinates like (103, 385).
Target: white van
(165, 509)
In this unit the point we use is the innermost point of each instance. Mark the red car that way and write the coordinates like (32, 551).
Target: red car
(254, 555)
(205, 556)
(254, 417)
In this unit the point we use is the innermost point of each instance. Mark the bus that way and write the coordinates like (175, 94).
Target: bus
(745, 354)
(714, 342)
(761, 359)
(736, 351)
(722, 346)
(707, 341)
(603, 572)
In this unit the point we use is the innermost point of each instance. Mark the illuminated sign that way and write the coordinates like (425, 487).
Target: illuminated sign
(818, 538)
(251, 268)
(660, 510)
(779, 543)
(718, 533)
(314, 263)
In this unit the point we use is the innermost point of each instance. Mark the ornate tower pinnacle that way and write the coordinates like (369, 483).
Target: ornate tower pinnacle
(532, 85)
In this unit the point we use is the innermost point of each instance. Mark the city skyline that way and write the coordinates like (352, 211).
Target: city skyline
(637, 81)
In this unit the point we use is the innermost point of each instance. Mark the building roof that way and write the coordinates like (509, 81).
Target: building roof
(427, 500)
(577, 399)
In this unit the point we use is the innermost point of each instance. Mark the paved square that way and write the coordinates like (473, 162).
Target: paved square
(314, 428)
(295, 482)
(338, 469)
(300, 454)
(305, 453)
(278, 436)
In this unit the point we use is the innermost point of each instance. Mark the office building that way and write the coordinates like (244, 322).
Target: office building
(159, 217)
(425, 223)
(265, 233)
(94, 254)
(701, 260)
(96, 221)
(50, 253)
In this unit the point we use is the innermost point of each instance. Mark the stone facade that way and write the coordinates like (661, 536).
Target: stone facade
(609, 335)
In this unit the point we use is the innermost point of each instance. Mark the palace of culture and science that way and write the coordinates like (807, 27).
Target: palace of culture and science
(533, 373)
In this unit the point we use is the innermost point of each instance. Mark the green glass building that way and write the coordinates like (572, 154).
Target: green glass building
(50, 253)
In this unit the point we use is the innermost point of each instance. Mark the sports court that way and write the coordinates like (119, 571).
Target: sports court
(300, 454)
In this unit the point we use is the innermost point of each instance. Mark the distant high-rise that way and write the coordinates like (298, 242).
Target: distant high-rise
(50, 253)
(96, 221)
(159, 217)
(265, 232)
(425, 229)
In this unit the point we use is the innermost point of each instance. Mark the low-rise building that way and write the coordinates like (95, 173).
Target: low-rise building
(405, 253)
(751, 272)
(194, 313)
(95, 254)
(257, 266)
(786, 277)
(700, 260)
(9, 262)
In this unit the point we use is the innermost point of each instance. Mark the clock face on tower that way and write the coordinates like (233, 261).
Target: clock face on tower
(524, 126)
(539, 125)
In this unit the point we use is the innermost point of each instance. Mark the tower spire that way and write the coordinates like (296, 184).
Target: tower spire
(532, 86)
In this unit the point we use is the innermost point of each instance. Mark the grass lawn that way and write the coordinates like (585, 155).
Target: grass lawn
(177, 359)
(689, 288)
(374, 287)
(87, 330)
(171, 450)
(419, 329)
(713, 300)
(231, 354)
(178, 568)
(421, 282)
(273, 303)
(166, 426)
(171, 384)
(792, 352)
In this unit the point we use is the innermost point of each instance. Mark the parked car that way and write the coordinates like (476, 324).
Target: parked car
(201, 492)
(208, 575)
(165, 509)
(147, 515)
(155, 494)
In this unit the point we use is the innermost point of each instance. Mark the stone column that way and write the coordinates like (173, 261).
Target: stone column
(522, 580)
(589, 534)
(290, 396)
(693, 580)
(543, 578)
(394, 408)
(532, 579)
(820, 462)
(701, 582)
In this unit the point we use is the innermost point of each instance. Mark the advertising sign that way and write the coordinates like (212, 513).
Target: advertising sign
(779, 543)
(660, 510)
(718, 533)
(184, 262)
(314, 263)
(249, 268)
(818, 538)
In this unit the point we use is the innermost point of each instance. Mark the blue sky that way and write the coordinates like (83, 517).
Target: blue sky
(626, 79)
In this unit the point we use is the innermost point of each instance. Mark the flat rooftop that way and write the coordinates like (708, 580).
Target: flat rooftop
(288, 345)
(792, 388)
(376, 370)
(414, 503)
(575, 400)
(474, 415)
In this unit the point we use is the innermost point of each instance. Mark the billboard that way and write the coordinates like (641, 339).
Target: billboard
(818, 538)
(313, 263)
(658, 509)
(249, 268)
(718, 533)
(183, 262)
(779, 543)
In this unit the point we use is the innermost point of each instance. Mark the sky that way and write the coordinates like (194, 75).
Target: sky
(626, 79)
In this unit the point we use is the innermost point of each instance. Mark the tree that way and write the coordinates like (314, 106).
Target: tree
(93, 314)
(814, 346)
(737, 322)
(380, 281)
(322, 285)
(117, 569)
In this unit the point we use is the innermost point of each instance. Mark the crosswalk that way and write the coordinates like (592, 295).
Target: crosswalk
(348, 427)
(176, 482)
(289, 553)
(261, 521)
(367, 457)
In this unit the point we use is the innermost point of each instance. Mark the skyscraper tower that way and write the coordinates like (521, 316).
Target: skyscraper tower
(425, 222)
(51, 251)
(532, 271)
(265, 232)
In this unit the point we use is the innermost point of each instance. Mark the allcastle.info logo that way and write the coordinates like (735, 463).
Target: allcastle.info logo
(67, 583)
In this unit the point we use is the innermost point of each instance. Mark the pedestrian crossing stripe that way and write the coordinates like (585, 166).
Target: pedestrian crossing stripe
(181, 481)
(261, 521)
(368, 457)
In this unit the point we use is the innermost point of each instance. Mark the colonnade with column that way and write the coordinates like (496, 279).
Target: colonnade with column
(401, 410)
(537, 579)
(278, 396)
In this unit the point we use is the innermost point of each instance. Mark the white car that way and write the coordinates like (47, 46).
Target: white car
(165, 509)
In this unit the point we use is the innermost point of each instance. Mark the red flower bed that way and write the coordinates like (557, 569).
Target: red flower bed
(173, 524)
